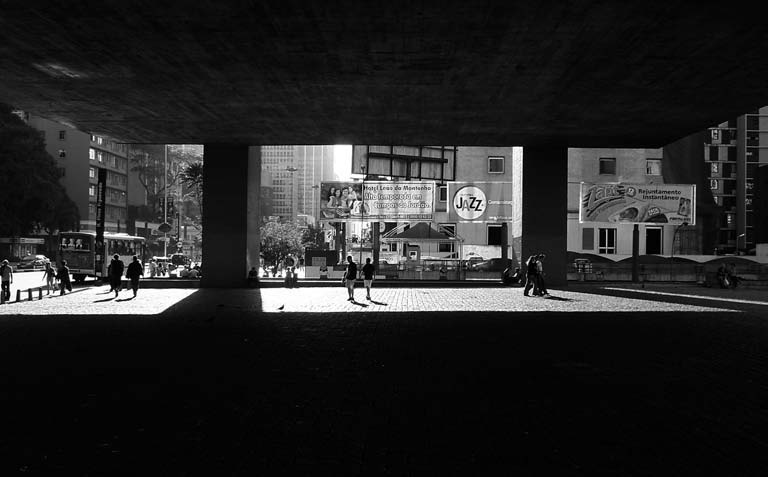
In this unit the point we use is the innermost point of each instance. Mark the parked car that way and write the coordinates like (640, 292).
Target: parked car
(491, 265)
(33, 261)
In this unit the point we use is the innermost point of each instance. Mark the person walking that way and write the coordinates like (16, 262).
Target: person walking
(6, 277)
(152, 268)
(134, 272)
(350, 275)
(49, 276)
(116, 273)
(368, 270)
(530, 276)
(63, 275)
(540, 275)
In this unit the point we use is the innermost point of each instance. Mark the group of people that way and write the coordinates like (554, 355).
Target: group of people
(343, 202)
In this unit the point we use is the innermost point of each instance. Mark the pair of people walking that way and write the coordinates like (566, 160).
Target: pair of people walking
(115, 272)
(534, 277)
(350, 275)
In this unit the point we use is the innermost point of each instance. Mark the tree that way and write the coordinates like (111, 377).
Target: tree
(278, 240)
(314, 237)
(192, 178)
(32, 197)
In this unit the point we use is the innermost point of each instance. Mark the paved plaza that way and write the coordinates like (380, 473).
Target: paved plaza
(609, 380)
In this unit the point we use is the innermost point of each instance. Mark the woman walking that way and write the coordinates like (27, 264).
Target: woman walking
(135, 270)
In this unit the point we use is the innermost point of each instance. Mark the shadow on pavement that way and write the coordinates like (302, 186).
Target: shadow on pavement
(214, 387)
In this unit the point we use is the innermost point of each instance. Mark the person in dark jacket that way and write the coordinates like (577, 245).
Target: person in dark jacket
(63, 275)
(116, 273)
(134, 272)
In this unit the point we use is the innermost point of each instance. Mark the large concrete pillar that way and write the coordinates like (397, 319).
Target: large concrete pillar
(230, 194)
(545, 209)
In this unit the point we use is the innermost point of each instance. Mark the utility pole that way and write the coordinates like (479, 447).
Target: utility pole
(165, 201)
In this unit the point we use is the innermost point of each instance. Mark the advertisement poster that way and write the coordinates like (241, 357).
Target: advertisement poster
(101, 201)
(377, 200)
(638, 203)
(480, 202)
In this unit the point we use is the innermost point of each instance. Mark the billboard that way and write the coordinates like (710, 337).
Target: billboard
(377, 200)
(480, 202)
(638, 203)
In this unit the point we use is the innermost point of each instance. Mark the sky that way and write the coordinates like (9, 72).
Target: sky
(342, 160)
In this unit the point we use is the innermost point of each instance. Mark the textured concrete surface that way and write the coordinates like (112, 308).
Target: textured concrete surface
(583, 73)
(637, 384)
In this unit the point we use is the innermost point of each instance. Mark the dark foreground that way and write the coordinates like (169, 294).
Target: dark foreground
(213, 386)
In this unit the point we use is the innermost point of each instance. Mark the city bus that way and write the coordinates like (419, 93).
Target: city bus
(77, 248)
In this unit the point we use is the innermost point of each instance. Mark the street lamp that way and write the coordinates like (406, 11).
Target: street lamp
(738, 249)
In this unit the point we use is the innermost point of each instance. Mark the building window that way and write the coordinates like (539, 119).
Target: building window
(714, 184)
(715, 135)
(62, 153)
(450, 229)
(92, 190)
(494, 234)
(99, 140)
(92, 172)
(496, 165)
(607, 241)
(99, 156)
(445, 247)
(93, 138)
(715, 168)
(608, 166)
(588, 238)
(92, 154)
(729, 219)
(442, 194)
(653, 167)
(62, 135)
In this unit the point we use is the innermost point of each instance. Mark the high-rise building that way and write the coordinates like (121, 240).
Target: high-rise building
(79, 157)
(296, 173)
(736, 156)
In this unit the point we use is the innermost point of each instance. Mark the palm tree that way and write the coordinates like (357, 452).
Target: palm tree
(192, 177)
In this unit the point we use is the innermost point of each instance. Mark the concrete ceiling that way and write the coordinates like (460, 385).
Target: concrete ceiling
(578, 73)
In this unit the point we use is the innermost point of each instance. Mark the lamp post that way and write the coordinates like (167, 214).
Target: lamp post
(738, 239)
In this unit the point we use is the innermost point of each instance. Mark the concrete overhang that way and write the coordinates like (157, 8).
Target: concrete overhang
(578, 73)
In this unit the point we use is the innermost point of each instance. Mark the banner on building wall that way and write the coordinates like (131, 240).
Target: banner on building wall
(101, 206)
(638, 203)
(377, 200)
(480, 202)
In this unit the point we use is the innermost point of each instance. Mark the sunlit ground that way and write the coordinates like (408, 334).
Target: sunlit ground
(211, 302)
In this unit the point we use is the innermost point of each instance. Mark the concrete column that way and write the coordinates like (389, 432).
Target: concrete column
(227, 237)
(254, 210)
(545, 209)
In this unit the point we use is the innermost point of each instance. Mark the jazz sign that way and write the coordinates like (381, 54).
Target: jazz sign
(638, 203)
(480, 202)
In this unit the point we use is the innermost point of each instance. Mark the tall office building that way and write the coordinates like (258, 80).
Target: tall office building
(736, 155)
(295, 172)
(79, 156)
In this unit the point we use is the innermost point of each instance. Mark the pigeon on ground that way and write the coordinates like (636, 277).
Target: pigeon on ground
(281, 307)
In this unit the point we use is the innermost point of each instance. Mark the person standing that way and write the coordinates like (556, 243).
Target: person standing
(63, 276)
(368, 270)
(6, 277)
(135, 270)
(531, 280)
(350, 275)
(152, 268)
(49, 275)
(116, 273)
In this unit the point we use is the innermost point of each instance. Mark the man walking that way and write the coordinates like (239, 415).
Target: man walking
(135, 270)
(540, 275)
(368, 270)
(116, 273)
(6, 277)
(350, 275)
